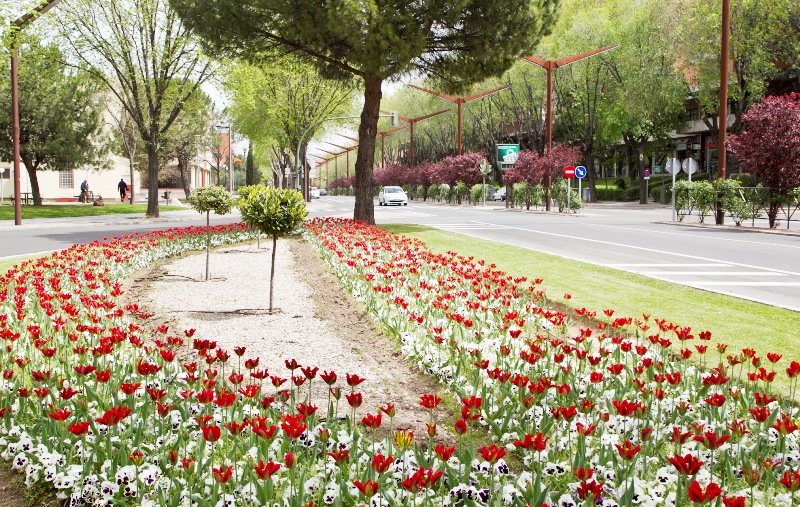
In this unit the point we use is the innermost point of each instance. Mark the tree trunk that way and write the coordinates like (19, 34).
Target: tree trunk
(208, 240)
(152, 178)
(591, 184)
(130, 167)
(272, 270)
(183, 168)
(34, 179)
(365, 208)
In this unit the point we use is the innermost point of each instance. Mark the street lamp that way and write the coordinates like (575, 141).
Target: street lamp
(460, 101)
(16, 27)
(549, 65)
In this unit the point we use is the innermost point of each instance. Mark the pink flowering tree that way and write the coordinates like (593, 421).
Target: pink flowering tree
(769, 146)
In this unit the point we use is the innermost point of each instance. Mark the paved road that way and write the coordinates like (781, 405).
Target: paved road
(756, 266)
(752, 265)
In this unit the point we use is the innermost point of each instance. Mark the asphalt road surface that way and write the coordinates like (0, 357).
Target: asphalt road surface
(752, 265)
(757, 266)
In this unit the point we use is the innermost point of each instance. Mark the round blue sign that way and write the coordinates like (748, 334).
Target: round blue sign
(580, 172)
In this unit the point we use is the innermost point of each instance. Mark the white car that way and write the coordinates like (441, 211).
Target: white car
(392, 195)
(314, 192)
(500, 194)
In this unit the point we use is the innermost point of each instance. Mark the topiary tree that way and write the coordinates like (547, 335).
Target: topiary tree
(275, 212)
(208, 199)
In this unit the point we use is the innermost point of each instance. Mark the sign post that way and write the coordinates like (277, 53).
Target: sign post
(569, 173)
(673, 166)
(507, 155)
(580, 173)
(485, 168)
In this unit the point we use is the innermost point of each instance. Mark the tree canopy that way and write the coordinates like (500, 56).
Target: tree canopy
(455, 42)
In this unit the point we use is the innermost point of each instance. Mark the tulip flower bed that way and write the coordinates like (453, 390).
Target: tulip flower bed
(597, 409)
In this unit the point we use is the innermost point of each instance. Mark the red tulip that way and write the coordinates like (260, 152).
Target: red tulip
(211, 433)
(698, 495)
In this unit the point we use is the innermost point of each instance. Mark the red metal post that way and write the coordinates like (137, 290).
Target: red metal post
(458, 107)
(15, 133)
(722, 156)
(549, 175)
(411, 145)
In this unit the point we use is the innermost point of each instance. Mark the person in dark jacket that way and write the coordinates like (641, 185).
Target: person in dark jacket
(123, 189)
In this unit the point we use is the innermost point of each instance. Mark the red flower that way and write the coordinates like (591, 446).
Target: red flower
(371, 421)
(329, 377)
(293, 426)
(698, 495)
(266, 470)
(114, 415)
(388, 409)
(79, 428)
(491, 453)
(354, 399)
(535, 443)
(461, 426)
(715, 400)
(291, 364)
(628, 450)
(309, 372)
(793, 370)
(711, 440)
(686, 465)
(591, 489)
(288, 460)
(429, 401)
(445, 453)
(785, 425)
(128, 388)
(211, 433)
(68, 393)
(340, 456)
(239, 351)
(223, 474)
(381, 463)
(354, 380)
(791, 480)
(103, 376)
(733, 501)
(367, 489)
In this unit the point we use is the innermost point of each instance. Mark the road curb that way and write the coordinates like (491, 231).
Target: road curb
(736, 228)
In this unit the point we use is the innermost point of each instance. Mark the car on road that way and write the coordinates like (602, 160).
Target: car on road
(500, 195)
(392, 195)
(314, 193)
(323, 192)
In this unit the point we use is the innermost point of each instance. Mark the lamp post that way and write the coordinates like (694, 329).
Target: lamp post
(549, 65)
(460, 101)
(16, 27)
(231, 172)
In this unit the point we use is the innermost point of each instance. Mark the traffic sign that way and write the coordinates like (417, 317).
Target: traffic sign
(689, 165)
(580, 172)
(569, 172)
(673, 166)
(647, 173)
(507, 154)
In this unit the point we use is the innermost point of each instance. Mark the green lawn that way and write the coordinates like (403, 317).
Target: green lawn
(734, 321)
(76, 210)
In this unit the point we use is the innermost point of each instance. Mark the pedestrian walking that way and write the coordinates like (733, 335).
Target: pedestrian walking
(123, 189)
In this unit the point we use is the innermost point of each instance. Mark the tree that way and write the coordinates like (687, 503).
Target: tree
(277, 102)
(648, 95)
(208, 199)
(60, 114)
(252, 173)
(275, 212)
(769, 146)
(191, 130)
(456, 43)
(146, 57)
(126, 141)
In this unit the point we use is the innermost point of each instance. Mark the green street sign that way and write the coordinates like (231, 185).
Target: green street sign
(507, 154)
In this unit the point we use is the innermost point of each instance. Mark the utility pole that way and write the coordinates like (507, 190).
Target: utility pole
(16, 27)
(549, 66)
(722, 155)
(460, 101)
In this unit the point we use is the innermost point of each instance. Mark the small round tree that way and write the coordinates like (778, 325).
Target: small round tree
(275, 212)
(208, 199)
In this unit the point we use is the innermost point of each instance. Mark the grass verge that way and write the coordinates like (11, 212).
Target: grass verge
(734, 321)
(75, 210)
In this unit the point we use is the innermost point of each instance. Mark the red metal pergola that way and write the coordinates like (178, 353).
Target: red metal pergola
(549, 65)
(460, 101)
(411, 122)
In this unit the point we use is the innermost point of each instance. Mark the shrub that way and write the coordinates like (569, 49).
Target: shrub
(704, 196)
(208, 199)
(275, 212)
(478, 192)
(559, 193)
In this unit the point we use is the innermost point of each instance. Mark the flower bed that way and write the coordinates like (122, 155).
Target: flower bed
(111, 411)
(628, 411)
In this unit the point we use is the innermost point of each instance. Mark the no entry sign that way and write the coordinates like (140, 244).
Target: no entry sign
(569, 172)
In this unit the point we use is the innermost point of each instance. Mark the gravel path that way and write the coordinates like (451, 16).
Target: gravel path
(317, 325)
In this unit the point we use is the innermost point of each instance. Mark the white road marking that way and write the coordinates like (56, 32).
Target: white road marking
(670, 265)
(26, 255)
(645, 249)
(710, 273)
(703, 283)
(701, 236)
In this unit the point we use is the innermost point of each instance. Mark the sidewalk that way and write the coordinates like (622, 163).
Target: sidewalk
(187, 215)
